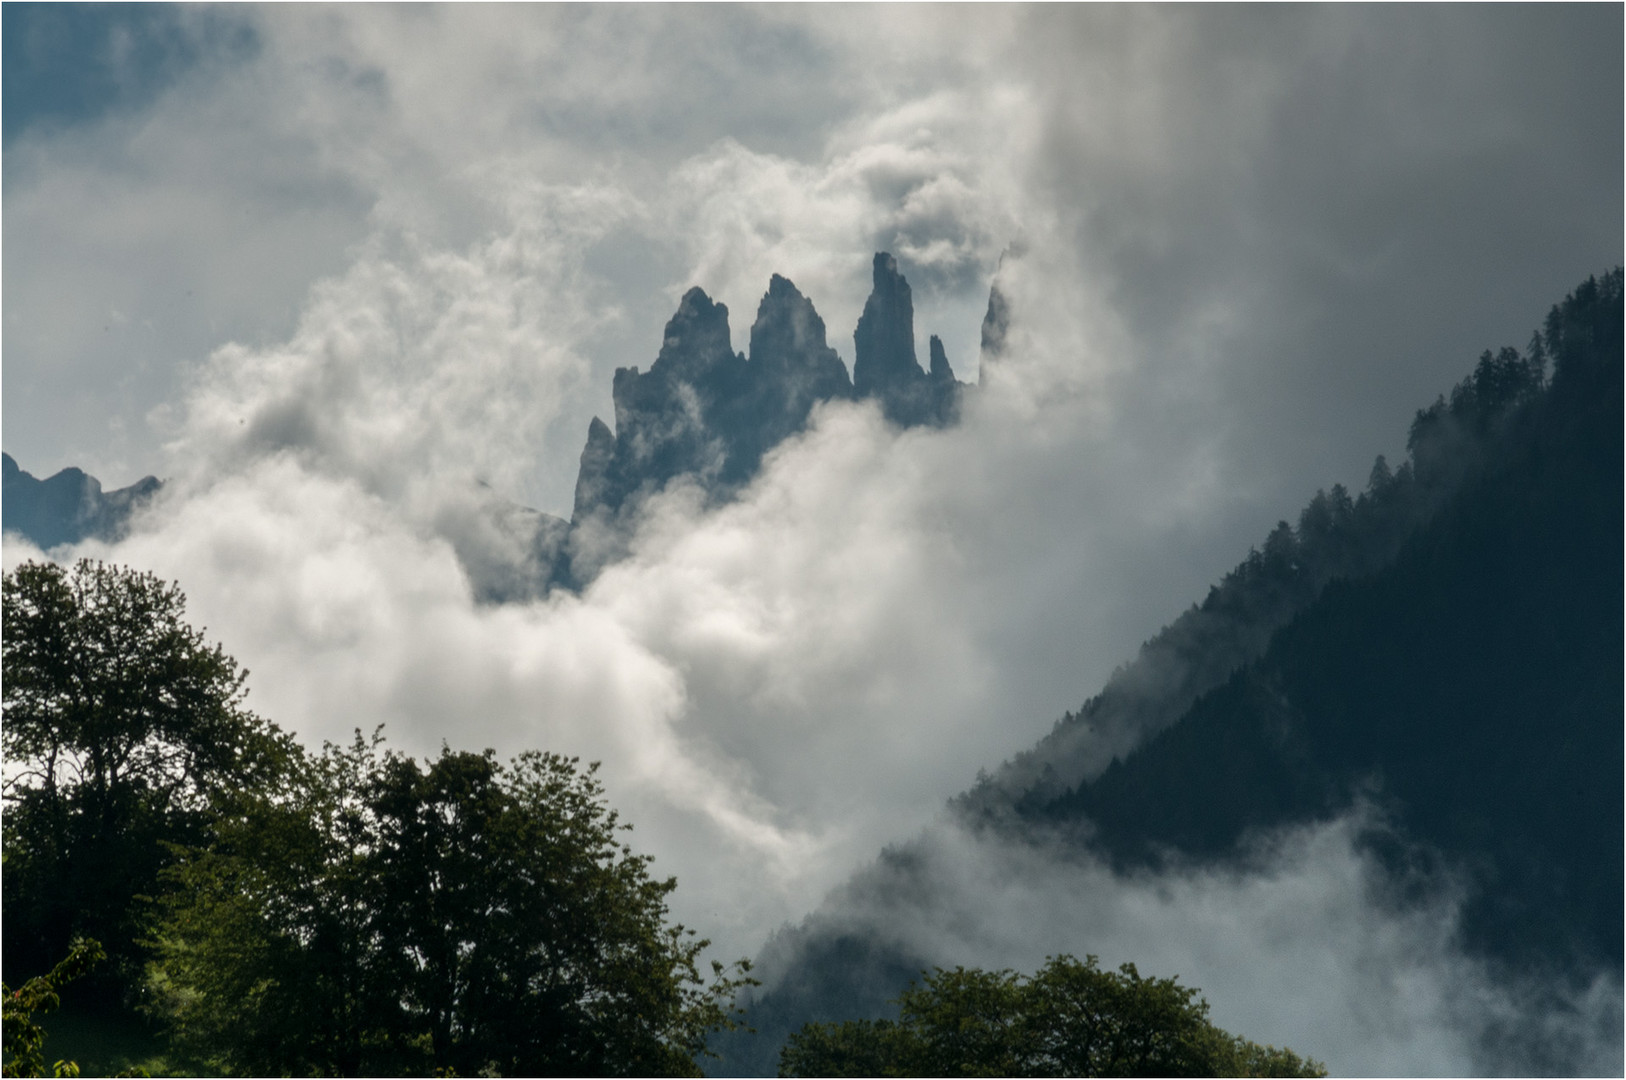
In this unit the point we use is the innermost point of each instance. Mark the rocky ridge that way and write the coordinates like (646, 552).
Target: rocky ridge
(706, 414)
(702, 414)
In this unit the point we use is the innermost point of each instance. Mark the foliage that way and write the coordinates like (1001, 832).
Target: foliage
(349, 912)
(1069, 1019)
(24, 1038)
(387, 917)
(120, 725)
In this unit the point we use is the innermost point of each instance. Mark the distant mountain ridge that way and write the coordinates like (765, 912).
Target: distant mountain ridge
(1449, 644)
(68, 506)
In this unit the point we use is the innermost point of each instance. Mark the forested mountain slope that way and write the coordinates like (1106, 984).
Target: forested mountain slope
(1446, 647)
(1473, 687)
(1337, 537)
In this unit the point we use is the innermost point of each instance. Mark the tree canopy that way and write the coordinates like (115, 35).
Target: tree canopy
(388, 917)
(120, 723)
(1071, 1018)
(1471, 686)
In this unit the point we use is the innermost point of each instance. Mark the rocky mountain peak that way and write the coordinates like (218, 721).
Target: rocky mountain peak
(68, 506)
(884, 366)
(940, 369)
(995, 326)
(697, 338)
(788, 331)
(593, 478)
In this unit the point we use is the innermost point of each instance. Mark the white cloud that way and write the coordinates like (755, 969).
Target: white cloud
(418, 364)
(904, 181)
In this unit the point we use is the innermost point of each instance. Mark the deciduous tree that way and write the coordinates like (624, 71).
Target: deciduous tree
(398, 917)
(1070, 1019)
(120, 724)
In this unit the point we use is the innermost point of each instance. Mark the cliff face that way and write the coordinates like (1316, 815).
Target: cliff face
(707, 414)
(884, 364)
(670, 420)
(794, 368)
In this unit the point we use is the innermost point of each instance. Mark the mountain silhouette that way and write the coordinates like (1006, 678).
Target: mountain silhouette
(68, 506)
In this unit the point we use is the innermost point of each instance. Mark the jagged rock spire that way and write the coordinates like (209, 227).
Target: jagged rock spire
(884, 365)
(884, 343)
(697, 337)
(788, 331)
(791, 369)
(940, 365)
(995, 326)
(593, 480)
(665, 417)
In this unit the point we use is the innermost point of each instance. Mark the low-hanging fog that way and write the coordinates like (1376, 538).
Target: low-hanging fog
(330, 270)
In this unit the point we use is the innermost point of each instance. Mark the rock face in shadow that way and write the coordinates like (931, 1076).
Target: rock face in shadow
(706, 415)
(884, 342)
(681, 418)
(69, 506)
(794, 370)
(884, 364)
(668, 420)
(996, 324)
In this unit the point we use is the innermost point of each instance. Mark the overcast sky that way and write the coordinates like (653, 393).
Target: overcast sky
(322, 268)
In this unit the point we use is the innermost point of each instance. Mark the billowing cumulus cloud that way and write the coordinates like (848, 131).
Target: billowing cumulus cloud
(417, 363)
(357, 291)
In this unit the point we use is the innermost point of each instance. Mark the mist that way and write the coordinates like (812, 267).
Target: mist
(1307, 941)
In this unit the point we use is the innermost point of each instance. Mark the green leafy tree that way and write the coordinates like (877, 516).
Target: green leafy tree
(389, 917)
(24, 1038)
(852, 1048)
(1070, 1019)
(966, 1022)
(120, 725)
